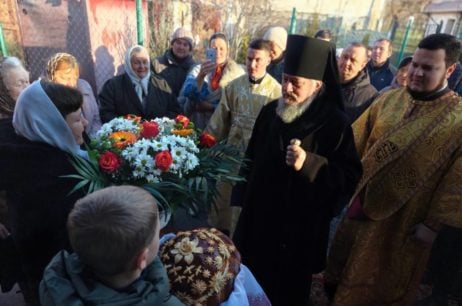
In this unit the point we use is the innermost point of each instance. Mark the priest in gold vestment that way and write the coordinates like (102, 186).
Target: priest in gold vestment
(410, 143)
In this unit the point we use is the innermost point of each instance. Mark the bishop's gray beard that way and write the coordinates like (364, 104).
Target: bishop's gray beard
(289, 113)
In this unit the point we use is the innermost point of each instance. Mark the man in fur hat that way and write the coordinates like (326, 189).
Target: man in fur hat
(302, 164)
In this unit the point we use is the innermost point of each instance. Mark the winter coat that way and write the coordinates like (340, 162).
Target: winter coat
(358, 94)
(172, 71)
(66, 281)
(38, 196)
(118, 98)
(276, 68)
(381, 76)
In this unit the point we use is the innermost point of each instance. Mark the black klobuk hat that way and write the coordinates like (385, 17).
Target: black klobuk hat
(306, 57)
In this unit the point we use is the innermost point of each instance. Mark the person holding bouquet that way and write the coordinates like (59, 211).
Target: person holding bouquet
(46, 129)
(137, 92)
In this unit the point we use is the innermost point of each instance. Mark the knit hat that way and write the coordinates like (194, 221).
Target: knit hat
(184, 34)
(202, 265)
(278, 35)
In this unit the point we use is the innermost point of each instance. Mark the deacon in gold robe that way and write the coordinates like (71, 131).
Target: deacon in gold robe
(235, 116)
(410, 143)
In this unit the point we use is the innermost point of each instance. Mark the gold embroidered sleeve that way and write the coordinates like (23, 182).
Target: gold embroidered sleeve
(220, 121)
(446, 206)
(361, 132)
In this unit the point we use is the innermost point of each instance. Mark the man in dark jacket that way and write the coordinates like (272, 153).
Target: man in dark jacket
(356, 87)
(175, 63)
(118, 98)
(381, 72)
(302, 164)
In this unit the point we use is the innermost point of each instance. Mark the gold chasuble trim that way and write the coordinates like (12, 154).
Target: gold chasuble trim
(387, 174)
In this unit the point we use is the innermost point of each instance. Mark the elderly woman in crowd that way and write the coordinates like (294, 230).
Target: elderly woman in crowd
(400, 79)
(63, 68)
(201, 90)
(136, 91)
(35, 147)
(13, 79)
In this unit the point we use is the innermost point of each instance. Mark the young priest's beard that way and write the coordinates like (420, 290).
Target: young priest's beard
(290, 112)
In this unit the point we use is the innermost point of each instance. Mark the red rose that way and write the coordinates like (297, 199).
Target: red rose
(109, 162)
(164, 160)
(207, 140)
(183, 120)
(150, 129)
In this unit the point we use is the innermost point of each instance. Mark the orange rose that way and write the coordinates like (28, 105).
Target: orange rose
(150, 129)
(109, 162)
(164, 160)
(207, 140)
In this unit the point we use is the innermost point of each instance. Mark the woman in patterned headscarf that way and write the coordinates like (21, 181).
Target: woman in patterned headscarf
(136, 91)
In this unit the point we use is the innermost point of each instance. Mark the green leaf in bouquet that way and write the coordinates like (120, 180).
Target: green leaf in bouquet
(88, 173)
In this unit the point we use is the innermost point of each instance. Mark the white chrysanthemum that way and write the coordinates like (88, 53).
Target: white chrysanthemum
(160, 145)
(192, 162)
(165, 125)
(144, 160)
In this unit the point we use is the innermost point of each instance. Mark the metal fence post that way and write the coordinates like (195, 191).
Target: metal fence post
(406, 34)
(2, 42)
(293, 21)
(139, 22)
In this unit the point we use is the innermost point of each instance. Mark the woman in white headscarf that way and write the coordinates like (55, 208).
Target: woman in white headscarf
(35, 151)
(14, 78)
(137, 92)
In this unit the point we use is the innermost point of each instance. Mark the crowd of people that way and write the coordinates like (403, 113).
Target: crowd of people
(323, 136)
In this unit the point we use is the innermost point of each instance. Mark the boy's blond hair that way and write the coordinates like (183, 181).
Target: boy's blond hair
(110, 227)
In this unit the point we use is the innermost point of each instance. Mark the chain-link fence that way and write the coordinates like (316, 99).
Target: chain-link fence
(98, 32)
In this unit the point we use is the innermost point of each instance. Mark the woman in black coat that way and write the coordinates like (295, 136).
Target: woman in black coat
(136, 92)
(34, 156)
